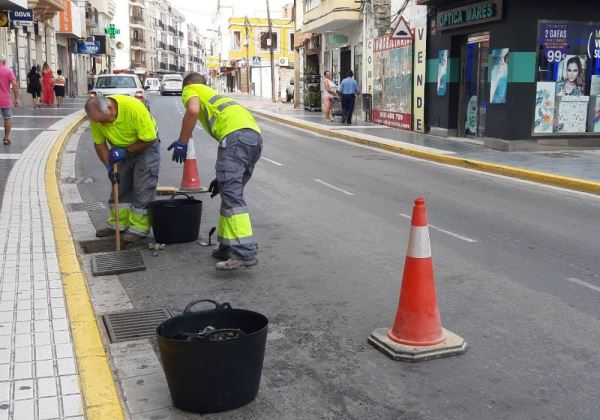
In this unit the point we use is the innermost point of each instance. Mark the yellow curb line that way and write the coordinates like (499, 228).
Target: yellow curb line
(494, 168)
(100, 397)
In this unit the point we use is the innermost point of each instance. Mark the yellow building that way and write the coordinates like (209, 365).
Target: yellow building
(249, 40)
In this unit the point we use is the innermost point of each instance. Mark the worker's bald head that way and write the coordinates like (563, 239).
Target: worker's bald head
(194, 79)
(100, 109)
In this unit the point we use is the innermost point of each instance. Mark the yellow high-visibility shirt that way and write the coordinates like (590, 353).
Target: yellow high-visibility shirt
(134, 122)
(219, 115)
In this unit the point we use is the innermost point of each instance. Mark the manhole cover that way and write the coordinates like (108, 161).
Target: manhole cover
(96, 205)
(77, 180)
(107, 263)
(373, 157)
(98, 245)
(133, 325)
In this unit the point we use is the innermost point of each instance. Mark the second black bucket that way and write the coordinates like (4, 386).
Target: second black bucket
(213, 358)
(175, 220)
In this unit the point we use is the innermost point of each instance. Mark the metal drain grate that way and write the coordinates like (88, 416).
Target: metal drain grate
(133, 325)
(77, 180)
(95, 205)
(106, 263)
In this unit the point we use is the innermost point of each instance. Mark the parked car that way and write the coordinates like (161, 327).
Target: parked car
(289, 91)
(152, 84)
(119, 84)
(171, 84)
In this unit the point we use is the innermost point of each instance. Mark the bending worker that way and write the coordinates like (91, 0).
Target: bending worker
(124, 132)
(240, 145)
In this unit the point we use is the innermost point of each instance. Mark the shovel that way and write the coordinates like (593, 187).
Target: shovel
(116, 208)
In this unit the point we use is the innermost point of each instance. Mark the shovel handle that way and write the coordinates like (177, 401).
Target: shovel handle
(116, 209)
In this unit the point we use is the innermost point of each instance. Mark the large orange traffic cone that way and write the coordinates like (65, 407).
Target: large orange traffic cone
(190, 181)
(417, 333)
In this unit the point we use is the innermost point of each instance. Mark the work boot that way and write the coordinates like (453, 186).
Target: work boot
(132, 237)
(221, 253)
(104, 232)
(233, 264)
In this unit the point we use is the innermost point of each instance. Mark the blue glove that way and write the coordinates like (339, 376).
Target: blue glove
(114, 178)
(179, 151)
(116, 154)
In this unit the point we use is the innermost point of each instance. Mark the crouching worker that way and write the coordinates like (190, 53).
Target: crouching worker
(240, 146)
(124, 132)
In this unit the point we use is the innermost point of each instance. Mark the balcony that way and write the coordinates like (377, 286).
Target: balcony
(137, 21)
(171, 29)
(162, 45)
(180, 34)
(181, 69)
(138, 63)
(138, 3)
(138, 43)
(162, 66)
(172, 48)
(172, 67)
(331, 16)
(196, 44)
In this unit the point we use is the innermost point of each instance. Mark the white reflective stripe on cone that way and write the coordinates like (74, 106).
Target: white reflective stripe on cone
(418, 242)
(191, 152)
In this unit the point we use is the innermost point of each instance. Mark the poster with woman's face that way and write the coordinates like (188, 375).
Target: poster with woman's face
(572, 70)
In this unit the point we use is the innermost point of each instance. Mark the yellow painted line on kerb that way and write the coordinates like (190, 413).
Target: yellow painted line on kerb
(100, 398)
(494, 168)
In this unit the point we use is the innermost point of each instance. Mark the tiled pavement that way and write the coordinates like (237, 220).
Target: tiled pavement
(38, 370)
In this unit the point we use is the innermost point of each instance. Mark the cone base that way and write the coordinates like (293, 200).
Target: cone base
(453, 345)
(192, 190)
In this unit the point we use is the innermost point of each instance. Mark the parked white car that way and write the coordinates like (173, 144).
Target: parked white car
(152, 84)
(171, 84)
(119, 84)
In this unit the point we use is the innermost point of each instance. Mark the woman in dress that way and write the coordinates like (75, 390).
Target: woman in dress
(34, 86)
(573, 84)
(59, 87)
(329, 91)
(47, 85)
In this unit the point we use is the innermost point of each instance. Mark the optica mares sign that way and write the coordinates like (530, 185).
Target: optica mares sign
(472, 14)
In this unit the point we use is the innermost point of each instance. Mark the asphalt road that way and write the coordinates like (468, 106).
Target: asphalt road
(517, 268)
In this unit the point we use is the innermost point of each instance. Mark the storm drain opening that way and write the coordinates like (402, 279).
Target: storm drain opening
(107, 263)
(95, 205)
(78, 180)
(133, 325)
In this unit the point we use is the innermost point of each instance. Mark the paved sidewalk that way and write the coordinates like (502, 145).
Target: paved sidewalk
(581, 164)
(38, 370)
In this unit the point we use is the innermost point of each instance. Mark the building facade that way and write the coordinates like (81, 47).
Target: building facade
(196, 50)
(170, 51)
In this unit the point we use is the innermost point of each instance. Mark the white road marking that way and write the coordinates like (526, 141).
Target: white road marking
(447, 232)
(9, 156)
(584, 284)
(271, 161)
(25, 129)
(333, 187)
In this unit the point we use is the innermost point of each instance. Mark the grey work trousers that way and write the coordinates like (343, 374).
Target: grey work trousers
(138, 176)
(237, 155)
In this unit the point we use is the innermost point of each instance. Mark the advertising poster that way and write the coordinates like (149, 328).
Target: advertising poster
(572, 71)
(419, 77)
(392, 82)
(442, 81)
(544, 107)
(499, 81)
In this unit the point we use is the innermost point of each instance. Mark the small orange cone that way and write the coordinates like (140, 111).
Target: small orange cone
(417, 333)
(190, 181)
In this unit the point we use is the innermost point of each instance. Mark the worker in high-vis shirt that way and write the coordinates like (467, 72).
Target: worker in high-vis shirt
(124, 132)
(240, 146)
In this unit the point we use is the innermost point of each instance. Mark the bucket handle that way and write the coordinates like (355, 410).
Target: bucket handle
(218, 306)
(189, 197)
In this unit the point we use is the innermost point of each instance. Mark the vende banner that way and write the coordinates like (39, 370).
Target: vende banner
(393, 119)
(419, 77)
(65, 18)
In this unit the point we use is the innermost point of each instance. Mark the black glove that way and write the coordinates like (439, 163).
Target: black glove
(114, 178)
(213, 188)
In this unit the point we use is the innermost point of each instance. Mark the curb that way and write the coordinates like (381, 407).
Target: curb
(494, 168)
(100, 397)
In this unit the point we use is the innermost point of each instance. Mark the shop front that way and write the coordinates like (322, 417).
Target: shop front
(506, 70)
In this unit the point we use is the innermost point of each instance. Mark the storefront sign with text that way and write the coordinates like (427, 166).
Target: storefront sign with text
(393, 119)
(419, 78)
(472, 14)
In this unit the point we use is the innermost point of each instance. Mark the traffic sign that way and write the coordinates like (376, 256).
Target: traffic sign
(256, 61)
(401, 30)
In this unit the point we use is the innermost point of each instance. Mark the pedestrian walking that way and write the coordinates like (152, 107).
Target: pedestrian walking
(7, 79)
(34, 86)
(124, 132)
(47, 85)
(349, 89)
(329, 91)
(240, 146)
(59, 87)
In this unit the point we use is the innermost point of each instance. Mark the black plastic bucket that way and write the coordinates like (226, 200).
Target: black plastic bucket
(175, 220)
(213, 371)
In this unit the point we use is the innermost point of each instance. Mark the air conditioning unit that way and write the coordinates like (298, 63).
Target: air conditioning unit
(283, 61)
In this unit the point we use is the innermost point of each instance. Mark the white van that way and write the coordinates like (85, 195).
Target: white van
(152, 84)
